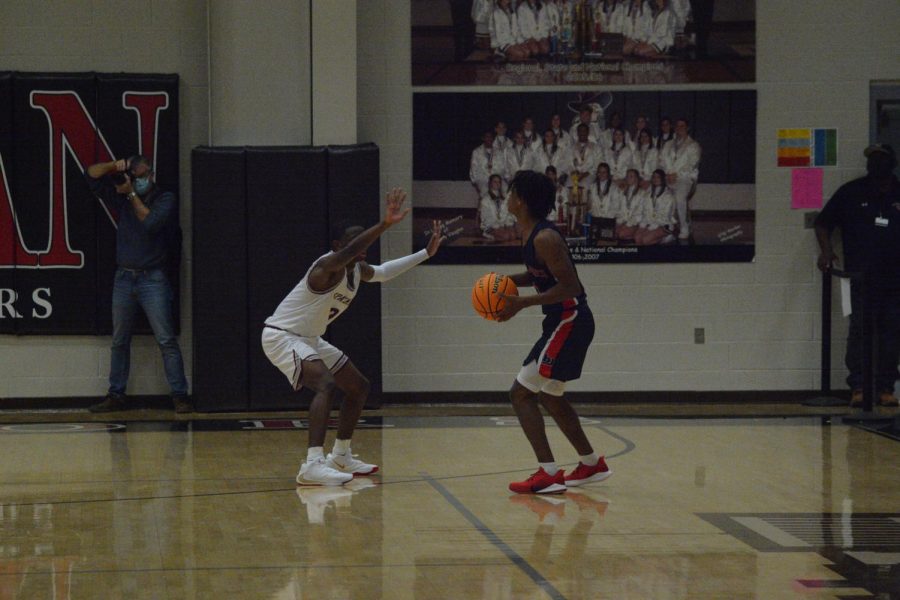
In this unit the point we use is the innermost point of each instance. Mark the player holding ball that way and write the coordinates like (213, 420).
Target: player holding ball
(558, 355)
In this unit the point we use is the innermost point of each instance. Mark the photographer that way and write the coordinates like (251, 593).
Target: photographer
(148, 216)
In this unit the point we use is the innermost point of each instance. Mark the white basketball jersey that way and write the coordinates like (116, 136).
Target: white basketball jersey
(307, 313)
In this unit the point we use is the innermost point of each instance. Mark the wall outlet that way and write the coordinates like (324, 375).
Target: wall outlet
(809, 219)
(699, 335)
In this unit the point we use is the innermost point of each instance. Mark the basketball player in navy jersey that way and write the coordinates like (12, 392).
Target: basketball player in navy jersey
(292, 339)
(558, 355)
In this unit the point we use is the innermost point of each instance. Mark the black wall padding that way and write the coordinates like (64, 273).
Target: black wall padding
(110, 89)
(7, 274)
(75, 289)
(261, 216)
(353, 195)
(287, 225)
(52, 127)
(219, 268)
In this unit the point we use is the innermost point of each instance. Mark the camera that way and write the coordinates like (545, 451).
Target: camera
(120, 177)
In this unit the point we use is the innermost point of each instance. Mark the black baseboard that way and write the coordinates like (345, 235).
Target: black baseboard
(486, 398)
(63, 402)
(657, 397)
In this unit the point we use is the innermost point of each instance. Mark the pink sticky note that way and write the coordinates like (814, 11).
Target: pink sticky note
(806, 188)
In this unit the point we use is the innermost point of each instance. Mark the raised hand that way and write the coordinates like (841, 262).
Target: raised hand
(394, 211)
(126, 187)
(436, 237)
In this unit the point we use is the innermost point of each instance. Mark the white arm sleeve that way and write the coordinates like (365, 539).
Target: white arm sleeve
(393, 268)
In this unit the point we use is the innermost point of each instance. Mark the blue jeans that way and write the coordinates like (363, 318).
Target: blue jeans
(151, 291)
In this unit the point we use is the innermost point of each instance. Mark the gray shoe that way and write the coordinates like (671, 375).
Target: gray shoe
(111, 403)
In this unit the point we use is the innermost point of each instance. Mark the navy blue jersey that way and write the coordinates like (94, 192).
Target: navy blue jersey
(870, 226)
(543, 279)
(568, 327)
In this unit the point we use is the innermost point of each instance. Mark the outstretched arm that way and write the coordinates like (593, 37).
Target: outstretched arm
(393, 268)
(324, 272)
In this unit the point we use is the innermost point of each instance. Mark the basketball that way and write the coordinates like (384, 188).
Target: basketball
(486, 298)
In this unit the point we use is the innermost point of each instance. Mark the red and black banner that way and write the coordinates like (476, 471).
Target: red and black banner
(57, 240)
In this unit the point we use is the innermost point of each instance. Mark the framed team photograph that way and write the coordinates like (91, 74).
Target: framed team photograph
(651, 176)
(582, 42)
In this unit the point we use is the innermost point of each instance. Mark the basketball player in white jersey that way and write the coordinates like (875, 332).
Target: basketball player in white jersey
(292, 339)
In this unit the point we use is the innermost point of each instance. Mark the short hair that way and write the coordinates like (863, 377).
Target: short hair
(550, 169)
(339, 228)
(139, 159)
(537, 192)
(686, 121)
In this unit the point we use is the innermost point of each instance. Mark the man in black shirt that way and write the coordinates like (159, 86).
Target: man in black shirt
(867, 211)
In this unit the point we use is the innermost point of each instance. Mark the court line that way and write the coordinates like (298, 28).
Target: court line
(881, 432)
(629, 446)
(437, 565)
(516, 558)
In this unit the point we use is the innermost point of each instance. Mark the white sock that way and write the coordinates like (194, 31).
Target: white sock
(341, 446)
(550, 468)
(589, 460)
(314, 452)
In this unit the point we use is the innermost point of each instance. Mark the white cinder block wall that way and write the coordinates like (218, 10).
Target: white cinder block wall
(814, 64)
(761, 319)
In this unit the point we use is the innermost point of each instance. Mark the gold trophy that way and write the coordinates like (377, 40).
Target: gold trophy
(577, 204)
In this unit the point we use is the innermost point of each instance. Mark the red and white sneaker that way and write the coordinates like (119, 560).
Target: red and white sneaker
(316, 472)
(541, 483)
(549, 510)
(587, 503)
(584, 474)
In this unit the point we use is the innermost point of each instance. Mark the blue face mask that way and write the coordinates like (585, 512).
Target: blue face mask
(142, 185)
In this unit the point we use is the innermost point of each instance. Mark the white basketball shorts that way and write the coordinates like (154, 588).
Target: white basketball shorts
(531, 379)
(288, 351)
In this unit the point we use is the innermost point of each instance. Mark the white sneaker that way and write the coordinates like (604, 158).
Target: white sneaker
(319, 473)
(318, 499)
(347, 463)
(361, 483)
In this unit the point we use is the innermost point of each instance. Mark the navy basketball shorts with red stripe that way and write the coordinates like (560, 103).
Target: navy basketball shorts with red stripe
(558, 356)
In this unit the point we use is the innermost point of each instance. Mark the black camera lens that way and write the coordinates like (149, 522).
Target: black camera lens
(119, 178)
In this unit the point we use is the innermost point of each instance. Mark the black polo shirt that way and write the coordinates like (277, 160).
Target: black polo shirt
(868, 245)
